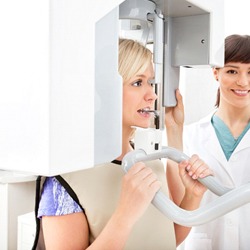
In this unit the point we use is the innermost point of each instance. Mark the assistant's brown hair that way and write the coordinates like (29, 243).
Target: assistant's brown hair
(237, 49)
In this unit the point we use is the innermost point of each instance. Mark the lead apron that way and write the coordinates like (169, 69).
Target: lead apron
(98, 190)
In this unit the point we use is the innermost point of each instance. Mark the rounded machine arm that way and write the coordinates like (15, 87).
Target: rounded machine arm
(228, 200)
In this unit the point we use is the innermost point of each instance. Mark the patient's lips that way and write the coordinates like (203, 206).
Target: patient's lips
(147, 111)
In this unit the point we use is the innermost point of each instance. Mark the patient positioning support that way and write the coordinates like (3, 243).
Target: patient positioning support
(228, 199)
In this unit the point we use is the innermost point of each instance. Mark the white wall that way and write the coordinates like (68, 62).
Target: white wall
(199, 93)
(237, 17)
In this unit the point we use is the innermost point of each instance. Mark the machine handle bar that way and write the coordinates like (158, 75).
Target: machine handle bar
(228, 200)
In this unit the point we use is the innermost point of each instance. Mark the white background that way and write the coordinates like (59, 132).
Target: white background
(237, 17)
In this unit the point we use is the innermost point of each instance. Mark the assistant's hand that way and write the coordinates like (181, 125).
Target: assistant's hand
(174, 116)
(174, 120)
(190, 171)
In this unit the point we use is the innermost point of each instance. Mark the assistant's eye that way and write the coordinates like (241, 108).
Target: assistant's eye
(231, 71)
(137, 83)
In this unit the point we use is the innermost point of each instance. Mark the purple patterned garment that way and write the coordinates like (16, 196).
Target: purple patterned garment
(55, 200)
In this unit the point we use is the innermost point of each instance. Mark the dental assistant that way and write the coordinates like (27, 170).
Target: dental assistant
(222, 139)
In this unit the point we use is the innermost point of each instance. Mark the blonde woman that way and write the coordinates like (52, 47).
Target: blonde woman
(101, 208)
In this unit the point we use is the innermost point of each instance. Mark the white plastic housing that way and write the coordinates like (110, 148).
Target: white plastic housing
(57, 109)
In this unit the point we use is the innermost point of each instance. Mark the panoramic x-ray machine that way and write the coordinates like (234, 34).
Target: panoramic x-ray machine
(186, 40)
(61, 94)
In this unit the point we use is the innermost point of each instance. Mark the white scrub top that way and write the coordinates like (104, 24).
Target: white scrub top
(231, 231)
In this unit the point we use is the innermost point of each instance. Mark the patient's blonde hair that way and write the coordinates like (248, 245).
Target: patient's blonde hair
(134, 58)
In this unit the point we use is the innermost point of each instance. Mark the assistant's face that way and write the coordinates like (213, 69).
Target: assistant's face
(234, 80)
(138, 95)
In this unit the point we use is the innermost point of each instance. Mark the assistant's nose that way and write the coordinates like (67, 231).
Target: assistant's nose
(243, 80)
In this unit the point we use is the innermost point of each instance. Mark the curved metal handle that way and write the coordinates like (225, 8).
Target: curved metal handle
(229, 199)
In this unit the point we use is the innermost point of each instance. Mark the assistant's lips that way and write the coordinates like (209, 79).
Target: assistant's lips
(240, 92)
